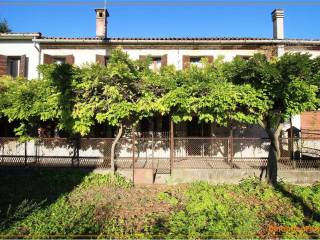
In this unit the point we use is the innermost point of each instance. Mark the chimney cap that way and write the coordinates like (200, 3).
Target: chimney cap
(278, 12)
(102, 10)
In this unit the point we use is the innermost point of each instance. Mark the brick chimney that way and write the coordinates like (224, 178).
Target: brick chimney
(101, 22)
(277, 19)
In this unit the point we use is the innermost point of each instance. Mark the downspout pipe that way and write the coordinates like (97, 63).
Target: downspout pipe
(37, 46)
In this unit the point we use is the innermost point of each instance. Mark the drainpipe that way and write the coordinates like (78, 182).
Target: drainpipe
(38, 48)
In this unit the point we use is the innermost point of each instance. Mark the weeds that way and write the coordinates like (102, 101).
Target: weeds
(107, 206)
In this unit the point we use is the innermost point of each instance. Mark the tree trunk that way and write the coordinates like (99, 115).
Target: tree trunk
(274, 155)
(113, 147)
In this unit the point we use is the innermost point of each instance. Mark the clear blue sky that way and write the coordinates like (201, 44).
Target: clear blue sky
(164, 21)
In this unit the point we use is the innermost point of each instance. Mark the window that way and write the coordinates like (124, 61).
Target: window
(244, 57)
(196, 61)
(59, 60)
(14, 66)
(155, 63)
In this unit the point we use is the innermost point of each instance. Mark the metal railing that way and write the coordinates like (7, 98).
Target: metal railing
(161, 154)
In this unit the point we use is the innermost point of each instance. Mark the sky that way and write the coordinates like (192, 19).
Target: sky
(163, 21)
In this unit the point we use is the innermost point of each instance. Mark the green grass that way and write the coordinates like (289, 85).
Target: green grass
(72, 203)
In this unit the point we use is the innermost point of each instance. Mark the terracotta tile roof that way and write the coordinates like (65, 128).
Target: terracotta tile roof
(31, 35)
(159, 38)
(21, 34)
(71, 38)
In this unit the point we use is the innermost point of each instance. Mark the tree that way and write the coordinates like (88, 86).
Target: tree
(111, 94)
(38, 100)
(207, 94)
(30, 102)
(4, 26)
(288, 83)
(5, 83)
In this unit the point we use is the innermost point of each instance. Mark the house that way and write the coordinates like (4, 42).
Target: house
(21, 53)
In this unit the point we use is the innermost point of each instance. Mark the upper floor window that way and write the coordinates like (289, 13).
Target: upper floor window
(196, 61)
(14, 66)
(59, 60)
(155, 63)
(188, 61)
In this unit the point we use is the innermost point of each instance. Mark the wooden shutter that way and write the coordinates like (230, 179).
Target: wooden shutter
(142, 57)
(101, 60)
(70, 59)
(185, 61)
(47, 59)
(164, 60)
(210, 59)
(3, 65)
(23, 66)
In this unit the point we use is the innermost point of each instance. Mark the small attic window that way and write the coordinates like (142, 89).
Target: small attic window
(100, 14)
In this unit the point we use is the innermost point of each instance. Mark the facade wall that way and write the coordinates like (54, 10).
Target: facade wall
(83, 56)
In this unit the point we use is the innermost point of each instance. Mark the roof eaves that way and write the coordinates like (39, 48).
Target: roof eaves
(17, 36)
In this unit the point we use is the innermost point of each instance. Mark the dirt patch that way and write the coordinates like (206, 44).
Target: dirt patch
(134, 207)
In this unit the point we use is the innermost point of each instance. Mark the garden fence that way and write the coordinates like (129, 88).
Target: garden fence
(161, 154)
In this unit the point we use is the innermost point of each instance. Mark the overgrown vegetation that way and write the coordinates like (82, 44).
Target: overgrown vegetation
(107, 206)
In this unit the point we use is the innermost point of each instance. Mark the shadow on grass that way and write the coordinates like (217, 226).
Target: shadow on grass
(309, 213)
(29, 188)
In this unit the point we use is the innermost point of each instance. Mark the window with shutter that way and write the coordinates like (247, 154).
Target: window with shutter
(48, 59)
(156, 61)
(197, 60)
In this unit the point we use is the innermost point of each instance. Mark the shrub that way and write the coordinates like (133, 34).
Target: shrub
(211, 212)
(59, 219)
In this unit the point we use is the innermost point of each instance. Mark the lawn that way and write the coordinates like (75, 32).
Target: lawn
(72, 203)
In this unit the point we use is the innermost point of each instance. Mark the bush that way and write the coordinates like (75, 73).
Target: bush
(211, 212)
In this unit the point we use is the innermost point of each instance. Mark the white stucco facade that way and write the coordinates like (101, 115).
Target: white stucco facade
(35, 54)
(83, 56)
